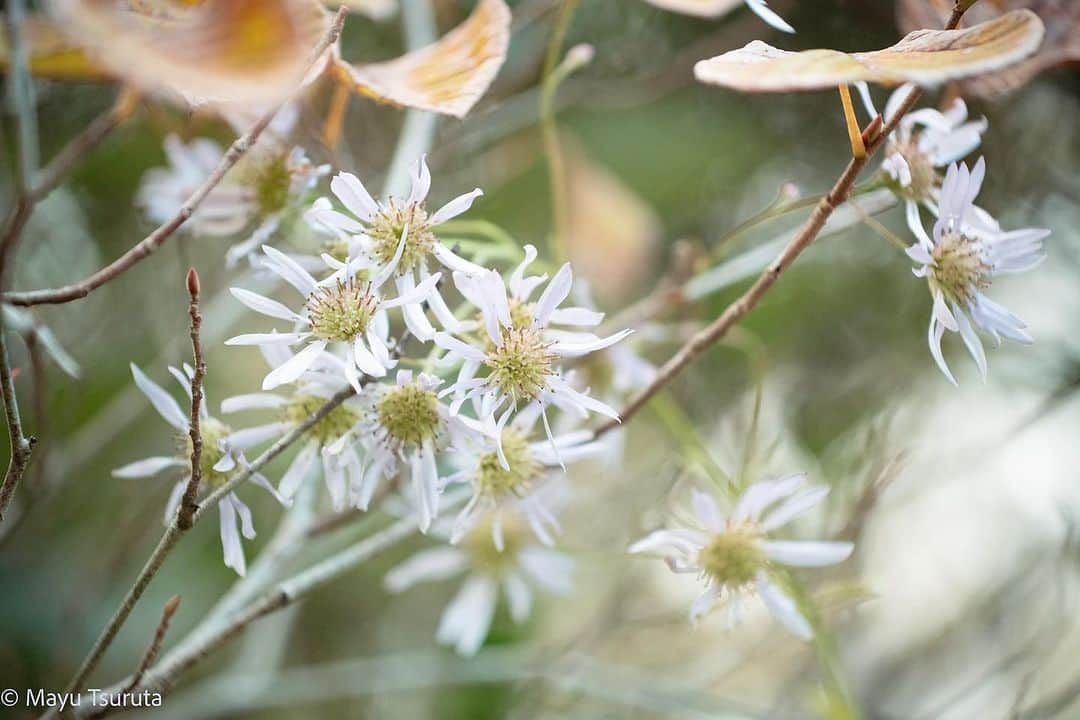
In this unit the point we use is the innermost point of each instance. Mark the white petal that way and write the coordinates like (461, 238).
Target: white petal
(806, 554)
(707, 512)
(455, 207)
(761, 495)
(762, 11)
(298, 470)
(354, 195)
(466, 620)
(296, 366)
(553, 295)
(264, 305)
(783, 608)
(250, 437)
(230, 538)
(519, 597)
(289, 270)
(148, 467)
(435, 564)
(252, 401)
(162, 401)
(793, 507)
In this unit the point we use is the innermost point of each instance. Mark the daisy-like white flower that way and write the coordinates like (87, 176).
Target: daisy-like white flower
(340, 469)
(515, 474)
(734, 555)
(268, 183)
(343, 310)
(968, 250)
(375, 230)
(522, 342)
(925, 141)
(162, 191)
(517, 569)
(402, 427)
(219, 459)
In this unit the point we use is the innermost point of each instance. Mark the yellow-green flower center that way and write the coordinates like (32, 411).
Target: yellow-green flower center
(521, 366)
(733, 557)
(483, 554)
(213, 431)
(336, 423)
(409, 414)
(387, 227)
(924, 176)
(272, 184)
(340, 313)
(495, 480)
(959, 270)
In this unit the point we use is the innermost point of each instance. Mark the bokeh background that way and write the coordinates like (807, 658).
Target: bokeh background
(961, 599)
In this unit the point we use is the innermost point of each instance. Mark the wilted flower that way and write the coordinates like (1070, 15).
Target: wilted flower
(218, 461)
(734, 555)
(337, 312)
(968, 250)
(516, 568)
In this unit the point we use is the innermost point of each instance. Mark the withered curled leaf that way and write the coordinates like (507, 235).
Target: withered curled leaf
(448, 76)
(924, 57)
(1061, 47)
(212, 50)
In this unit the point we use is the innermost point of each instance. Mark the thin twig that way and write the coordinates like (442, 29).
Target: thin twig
(173, 533)
(21, 446)
(155, 646)
(157, 238)
(82, 144)
(187, 502)
(874, 137)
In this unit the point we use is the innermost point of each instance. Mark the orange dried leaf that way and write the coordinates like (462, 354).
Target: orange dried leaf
(218, 50)
(925, 57)
(447, 77)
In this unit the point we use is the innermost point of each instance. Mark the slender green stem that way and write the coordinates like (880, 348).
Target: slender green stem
(684, 432)
(554, 73)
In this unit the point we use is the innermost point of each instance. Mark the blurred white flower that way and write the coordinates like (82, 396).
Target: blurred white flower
(340, 469)
(219, 460)
(514, 473)
(396, 237)
(520, 345)
(924, 141)
(268, 182)
(734, 555)
(968, 250)
(342, 310)
(517, 569)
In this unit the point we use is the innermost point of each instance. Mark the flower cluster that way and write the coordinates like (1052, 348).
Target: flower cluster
(458, 376)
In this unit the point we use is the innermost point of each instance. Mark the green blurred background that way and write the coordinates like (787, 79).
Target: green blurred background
(961, 599)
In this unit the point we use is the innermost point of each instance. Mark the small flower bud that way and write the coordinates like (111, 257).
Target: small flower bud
(193, 285)
(172, 605)
(790, 192)
(578, 57)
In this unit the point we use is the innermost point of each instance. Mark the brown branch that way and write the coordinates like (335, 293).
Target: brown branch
(158, 237)
(188, 506)
(873, 137)
(155, 645)
(21, 446)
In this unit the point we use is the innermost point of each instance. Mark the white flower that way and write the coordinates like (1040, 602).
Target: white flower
(377, 230)
(521, 344)
(402, 427)
(267, 183)
(162, 191)
(733, 556)
(968, 250)
(517, 568)
(515, 474)
(924, 141)
(337, 312)
(219, 459)
(340, 469)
